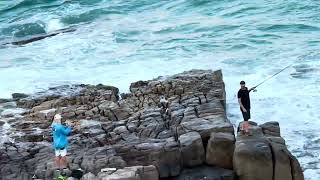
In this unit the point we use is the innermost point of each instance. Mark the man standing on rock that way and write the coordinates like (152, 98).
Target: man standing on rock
(60, 141)
(244, 102)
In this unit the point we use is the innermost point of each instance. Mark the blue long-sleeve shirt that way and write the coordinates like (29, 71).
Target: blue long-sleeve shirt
(60, 133)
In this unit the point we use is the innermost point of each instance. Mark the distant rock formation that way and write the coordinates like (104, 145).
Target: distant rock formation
(39, 37)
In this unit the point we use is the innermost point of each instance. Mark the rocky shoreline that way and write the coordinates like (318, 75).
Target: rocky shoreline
(167, 128)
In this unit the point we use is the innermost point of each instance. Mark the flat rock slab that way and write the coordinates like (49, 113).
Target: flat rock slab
(206, 173)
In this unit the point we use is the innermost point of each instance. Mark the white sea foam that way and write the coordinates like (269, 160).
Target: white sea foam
(118, 49)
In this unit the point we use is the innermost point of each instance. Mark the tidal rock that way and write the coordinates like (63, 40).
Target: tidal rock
(271, 128)
(131, 173)
(193, 153)
(220, 150)
(206, 173)
(41, 36)
(89, 176)
(170, 123)
(164, 154)
(17, 96)
(264, 156)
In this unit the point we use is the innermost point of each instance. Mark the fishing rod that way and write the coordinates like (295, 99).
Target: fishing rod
(273, 75)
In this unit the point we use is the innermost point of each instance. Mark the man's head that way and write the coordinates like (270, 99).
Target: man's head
(242, 84)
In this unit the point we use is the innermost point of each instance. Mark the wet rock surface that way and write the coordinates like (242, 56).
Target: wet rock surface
(164, 127)
(207, 173)
(264, 156)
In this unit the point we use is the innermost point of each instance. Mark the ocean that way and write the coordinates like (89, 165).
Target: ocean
(117, 42)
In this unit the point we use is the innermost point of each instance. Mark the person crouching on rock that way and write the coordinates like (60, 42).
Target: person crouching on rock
(60, 141)
(244, 102)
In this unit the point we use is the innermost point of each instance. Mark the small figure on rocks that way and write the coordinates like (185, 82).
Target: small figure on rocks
(164, 103)
(244, 102)
(60, 141)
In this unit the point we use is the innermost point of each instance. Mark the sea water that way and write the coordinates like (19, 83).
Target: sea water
(117, 42)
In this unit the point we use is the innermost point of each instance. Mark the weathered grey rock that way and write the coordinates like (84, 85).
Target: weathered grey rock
(286, 166)
(121, 130)
(164, 154)
(220, 150)
(13, 112)
(71, 178)
(207, 126)
(271, 128)
(296, 170)
(264, 156)
(192, 150)
(282, 166)
(253, 159)
(166, 122)
(40, 37)
(5, 100)
(131, 173)
(89, 176)
(19, 95)
(254, 129)
(44, 106)
(206, 173)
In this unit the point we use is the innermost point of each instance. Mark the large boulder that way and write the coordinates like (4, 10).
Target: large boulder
(220, 150)
(18, 96)
(253, 159)
(164, 154)
(192, 149)
(264, 156)
(271, 128)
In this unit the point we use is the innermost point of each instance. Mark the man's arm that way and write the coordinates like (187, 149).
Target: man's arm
(241, 105)
(252, 88)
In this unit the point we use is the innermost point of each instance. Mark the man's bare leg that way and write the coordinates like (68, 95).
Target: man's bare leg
(246, 127)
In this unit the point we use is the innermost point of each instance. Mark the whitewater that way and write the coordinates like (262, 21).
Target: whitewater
(117, 42)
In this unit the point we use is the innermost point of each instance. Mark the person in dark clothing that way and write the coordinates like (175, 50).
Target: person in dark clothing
(244, 102)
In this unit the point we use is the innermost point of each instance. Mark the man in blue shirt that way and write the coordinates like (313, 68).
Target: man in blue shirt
(60, 141)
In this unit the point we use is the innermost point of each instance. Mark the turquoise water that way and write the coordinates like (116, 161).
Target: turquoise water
(119, 41)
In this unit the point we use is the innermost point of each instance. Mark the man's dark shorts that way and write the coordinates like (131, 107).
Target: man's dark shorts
(246, 115)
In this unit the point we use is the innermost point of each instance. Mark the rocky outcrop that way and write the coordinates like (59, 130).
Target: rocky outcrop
(165, 128)
(264, 155)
